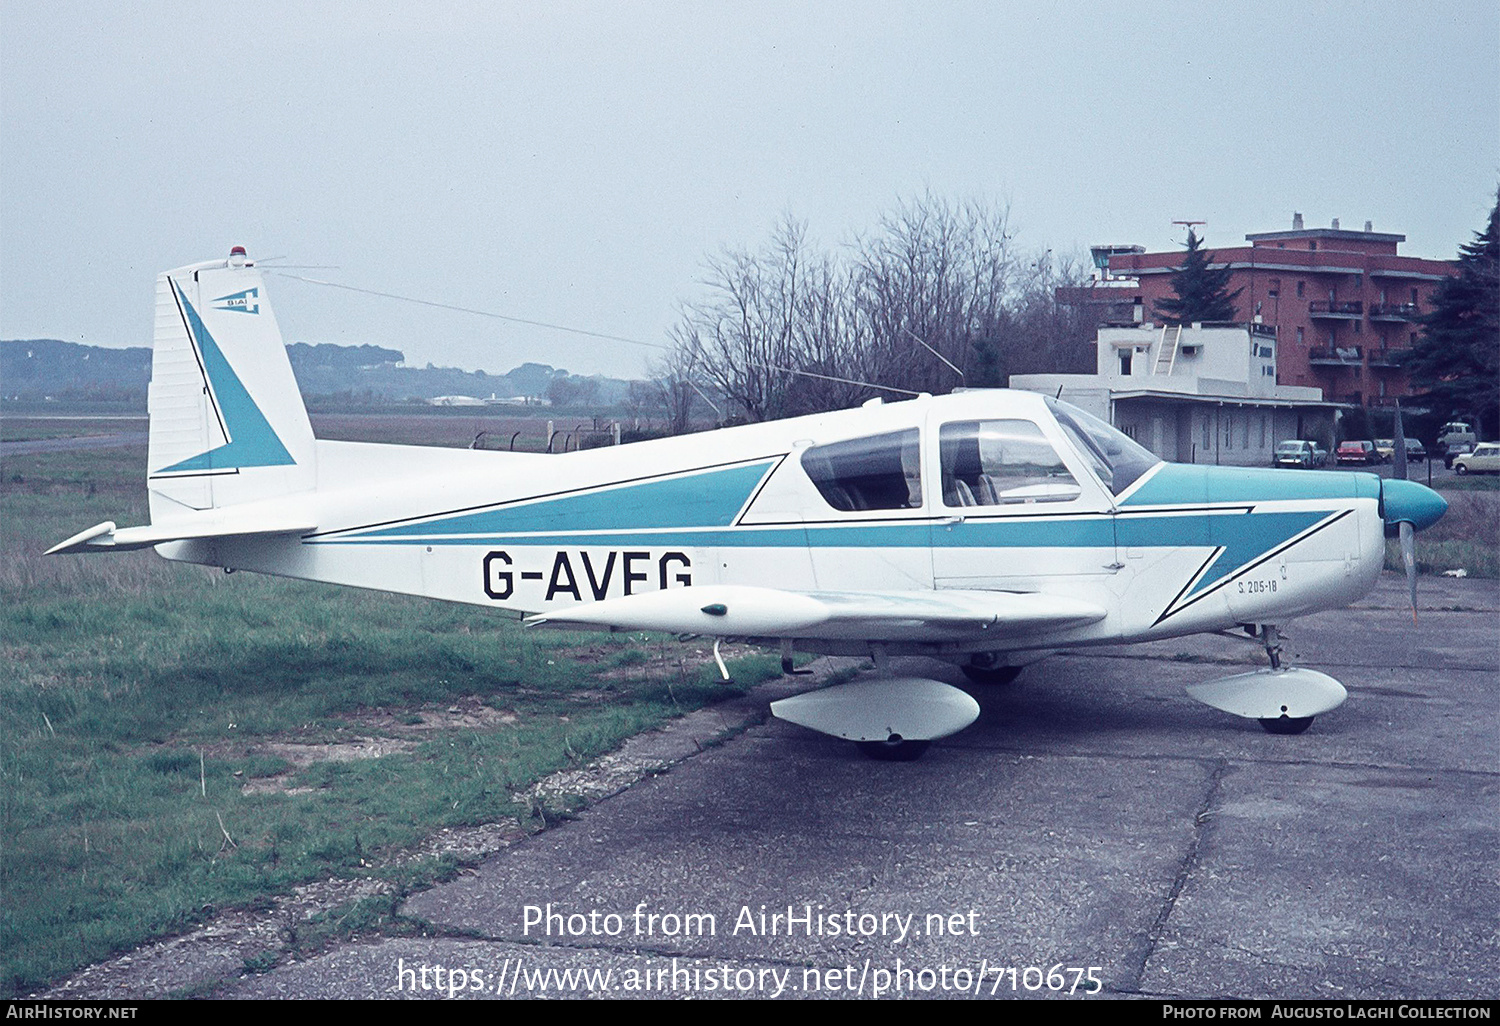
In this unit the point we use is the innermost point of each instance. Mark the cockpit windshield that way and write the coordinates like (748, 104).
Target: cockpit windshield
(1113, 457)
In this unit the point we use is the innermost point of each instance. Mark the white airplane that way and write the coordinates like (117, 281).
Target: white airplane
(986, 528)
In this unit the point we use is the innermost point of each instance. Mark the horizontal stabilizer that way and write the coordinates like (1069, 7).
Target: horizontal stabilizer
(744, 611)
(225, 522)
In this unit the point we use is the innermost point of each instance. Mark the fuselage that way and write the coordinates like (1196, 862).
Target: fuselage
(980, 491)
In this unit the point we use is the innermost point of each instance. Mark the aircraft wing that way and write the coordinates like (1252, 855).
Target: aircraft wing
(744, 611)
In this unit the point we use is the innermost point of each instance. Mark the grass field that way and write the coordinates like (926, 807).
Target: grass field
(26, 429)
(1472, 483)
(1468, 536)
(148, 711)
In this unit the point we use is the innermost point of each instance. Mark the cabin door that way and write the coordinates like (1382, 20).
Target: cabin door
(1012, 511)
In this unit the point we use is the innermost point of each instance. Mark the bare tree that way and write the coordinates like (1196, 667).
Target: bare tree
(932, 281)
(936, 296)
(673, 390)
(742, 336)
(640, 403)
(1045, 336)
(831, 343)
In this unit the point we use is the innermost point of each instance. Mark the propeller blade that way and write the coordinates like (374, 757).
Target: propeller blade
(1409, 557)
(1398, 457)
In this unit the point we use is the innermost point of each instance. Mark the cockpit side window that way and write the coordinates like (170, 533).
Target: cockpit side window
(1001, 463)
(878, 472)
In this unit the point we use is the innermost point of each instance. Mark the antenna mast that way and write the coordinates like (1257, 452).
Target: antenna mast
(1190, 225)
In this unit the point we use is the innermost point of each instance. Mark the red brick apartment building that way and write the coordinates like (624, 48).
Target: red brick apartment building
(1344, 303)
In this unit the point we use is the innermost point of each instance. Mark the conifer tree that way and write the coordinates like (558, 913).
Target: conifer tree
(1455, 364)
(1202, 293)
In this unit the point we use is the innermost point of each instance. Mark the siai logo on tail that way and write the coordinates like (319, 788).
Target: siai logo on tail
(246, 302)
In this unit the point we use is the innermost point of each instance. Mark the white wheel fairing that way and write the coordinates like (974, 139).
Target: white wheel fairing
(909, 708)
(1269, 694)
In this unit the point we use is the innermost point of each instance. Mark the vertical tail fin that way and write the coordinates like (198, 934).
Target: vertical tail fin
(227, 421)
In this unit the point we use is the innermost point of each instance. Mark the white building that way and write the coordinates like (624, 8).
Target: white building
(1194, 394)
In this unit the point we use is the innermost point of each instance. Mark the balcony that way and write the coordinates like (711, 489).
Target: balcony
(1394, 312)
(1343, 356)
(1389, 358)
(1327, 309)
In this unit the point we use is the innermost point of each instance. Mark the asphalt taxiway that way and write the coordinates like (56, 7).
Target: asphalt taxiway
(1094, 824)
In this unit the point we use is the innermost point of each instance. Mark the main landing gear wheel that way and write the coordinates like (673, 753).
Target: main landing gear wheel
(1282, 724)
(893, 749)
(1286, 724)
(986, 671)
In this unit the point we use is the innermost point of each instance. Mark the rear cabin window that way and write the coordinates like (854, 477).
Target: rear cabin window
(879, 472)
(1001, 463)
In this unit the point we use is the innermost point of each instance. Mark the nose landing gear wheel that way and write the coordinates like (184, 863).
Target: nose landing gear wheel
(1286, 724)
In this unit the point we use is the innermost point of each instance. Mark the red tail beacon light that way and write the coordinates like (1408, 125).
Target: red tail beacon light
(237, 257)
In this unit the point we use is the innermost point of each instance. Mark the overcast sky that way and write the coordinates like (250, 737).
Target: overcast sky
(575, 163)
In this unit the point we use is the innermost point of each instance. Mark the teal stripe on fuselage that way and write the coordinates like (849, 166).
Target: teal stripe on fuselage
(1225, 528)
(696, 509)
(1237, 530)
(1243, 538)
(1091, 532)
(709, 499)
(1185, 484)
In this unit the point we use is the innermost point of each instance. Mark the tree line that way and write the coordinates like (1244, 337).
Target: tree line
(936, 296)
(1455, 365)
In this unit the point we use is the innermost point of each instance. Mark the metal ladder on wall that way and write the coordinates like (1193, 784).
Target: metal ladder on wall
(1166, 352)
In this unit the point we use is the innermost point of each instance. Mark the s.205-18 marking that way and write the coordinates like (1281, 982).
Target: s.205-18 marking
(1265, 586)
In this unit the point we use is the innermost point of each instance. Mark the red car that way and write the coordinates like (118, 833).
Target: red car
(1357, 452)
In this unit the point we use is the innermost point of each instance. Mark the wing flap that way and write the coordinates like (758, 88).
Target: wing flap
(744, 611)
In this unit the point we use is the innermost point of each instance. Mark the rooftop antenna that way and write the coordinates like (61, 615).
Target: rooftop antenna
(1189, 225)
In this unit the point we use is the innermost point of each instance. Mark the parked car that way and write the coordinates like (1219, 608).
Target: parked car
(1452, 453)
(1457, 436)
(1297, 453)
(1416, 452)
(1485, 459)
(1357, 452)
